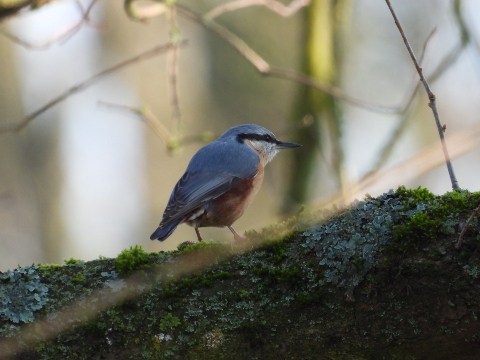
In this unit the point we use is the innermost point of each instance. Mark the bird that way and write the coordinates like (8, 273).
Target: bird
(220, 181)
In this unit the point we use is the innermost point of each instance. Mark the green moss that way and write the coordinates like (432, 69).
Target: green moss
(289, 275)
(274, 233)
(78, 278)
(167, 293)
(72, 261)
(129, 260)
(198, 246)
(418, 229)
(46, 269)
(414, 196)
(169, 322)
(221, 275)
(428, 216)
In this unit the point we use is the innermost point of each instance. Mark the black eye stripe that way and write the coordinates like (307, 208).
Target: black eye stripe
(265, 137)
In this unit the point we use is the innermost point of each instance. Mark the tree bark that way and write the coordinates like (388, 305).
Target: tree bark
(381, 279)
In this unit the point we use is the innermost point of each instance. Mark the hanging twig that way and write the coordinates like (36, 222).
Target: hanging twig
(431, 97)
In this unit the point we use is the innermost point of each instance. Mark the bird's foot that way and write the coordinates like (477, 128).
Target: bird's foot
(199, 237)
(236, 237)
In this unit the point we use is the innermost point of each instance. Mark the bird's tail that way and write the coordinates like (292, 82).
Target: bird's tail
(164, 232)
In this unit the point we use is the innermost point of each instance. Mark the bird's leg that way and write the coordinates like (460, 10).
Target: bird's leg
(236, 237)
(198, 234)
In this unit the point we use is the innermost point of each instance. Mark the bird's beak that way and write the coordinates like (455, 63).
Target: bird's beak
(286, 145)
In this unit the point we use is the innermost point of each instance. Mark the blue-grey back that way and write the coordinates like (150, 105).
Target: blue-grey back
(228, 156)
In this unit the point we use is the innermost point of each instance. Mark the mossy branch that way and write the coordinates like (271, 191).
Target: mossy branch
(381, 279)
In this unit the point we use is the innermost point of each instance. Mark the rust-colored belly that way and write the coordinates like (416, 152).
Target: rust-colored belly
(226, 209)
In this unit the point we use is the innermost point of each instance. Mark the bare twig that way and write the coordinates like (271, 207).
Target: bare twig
(60, 37)
(264, 68)
(444, 65)
(465, 227)
(431, 97)
(275, 6)
(85, 84)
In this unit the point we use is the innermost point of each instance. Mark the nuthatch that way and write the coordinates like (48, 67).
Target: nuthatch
(221, 181)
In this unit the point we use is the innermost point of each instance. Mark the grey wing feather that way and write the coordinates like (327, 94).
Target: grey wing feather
(212, 172)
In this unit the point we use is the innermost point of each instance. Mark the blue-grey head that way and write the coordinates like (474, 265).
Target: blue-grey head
(259, 138)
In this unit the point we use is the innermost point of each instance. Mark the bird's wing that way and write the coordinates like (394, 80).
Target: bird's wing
(194, 190)
(211, 173)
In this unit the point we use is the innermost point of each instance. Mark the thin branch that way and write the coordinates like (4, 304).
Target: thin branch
(173, 142)
(146, 116)
(58, 38)
(264, 68)
(85, 84)
(275, 6)
(431, 97)
(465, 227)
(445, 64)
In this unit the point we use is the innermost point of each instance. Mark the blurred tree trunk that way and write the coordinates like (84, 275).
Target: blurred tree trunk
(20, 230)
(322, 118)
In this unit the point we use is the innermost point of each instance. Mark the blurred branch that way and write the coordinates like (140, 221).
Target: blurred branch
(173, 141)
(275, 6)
(85, 84)
(146, 116)
(172, 69)
(431, 97)
(429, 158)
(62, 36)
(142, 11)
(13, 7)
(267, 70)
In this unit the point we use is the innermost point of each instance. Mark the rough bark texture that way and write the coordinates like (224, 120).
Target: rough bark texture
(379, 280)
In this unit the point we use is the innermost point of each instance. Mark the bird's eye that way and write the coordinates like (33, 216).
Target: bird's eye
(268, 138)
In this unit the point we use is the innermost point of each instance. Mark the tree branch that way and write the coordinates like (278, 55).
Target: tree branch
(264, 68)
(431, 97)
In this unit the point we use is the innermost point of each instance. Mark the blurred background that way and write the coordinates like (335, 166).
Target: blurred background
(85, 179)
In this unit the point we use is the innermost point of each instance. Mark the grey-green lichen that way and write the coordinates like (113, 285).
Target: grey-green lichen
(347, 247)
(21, 295)
(411, 294)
